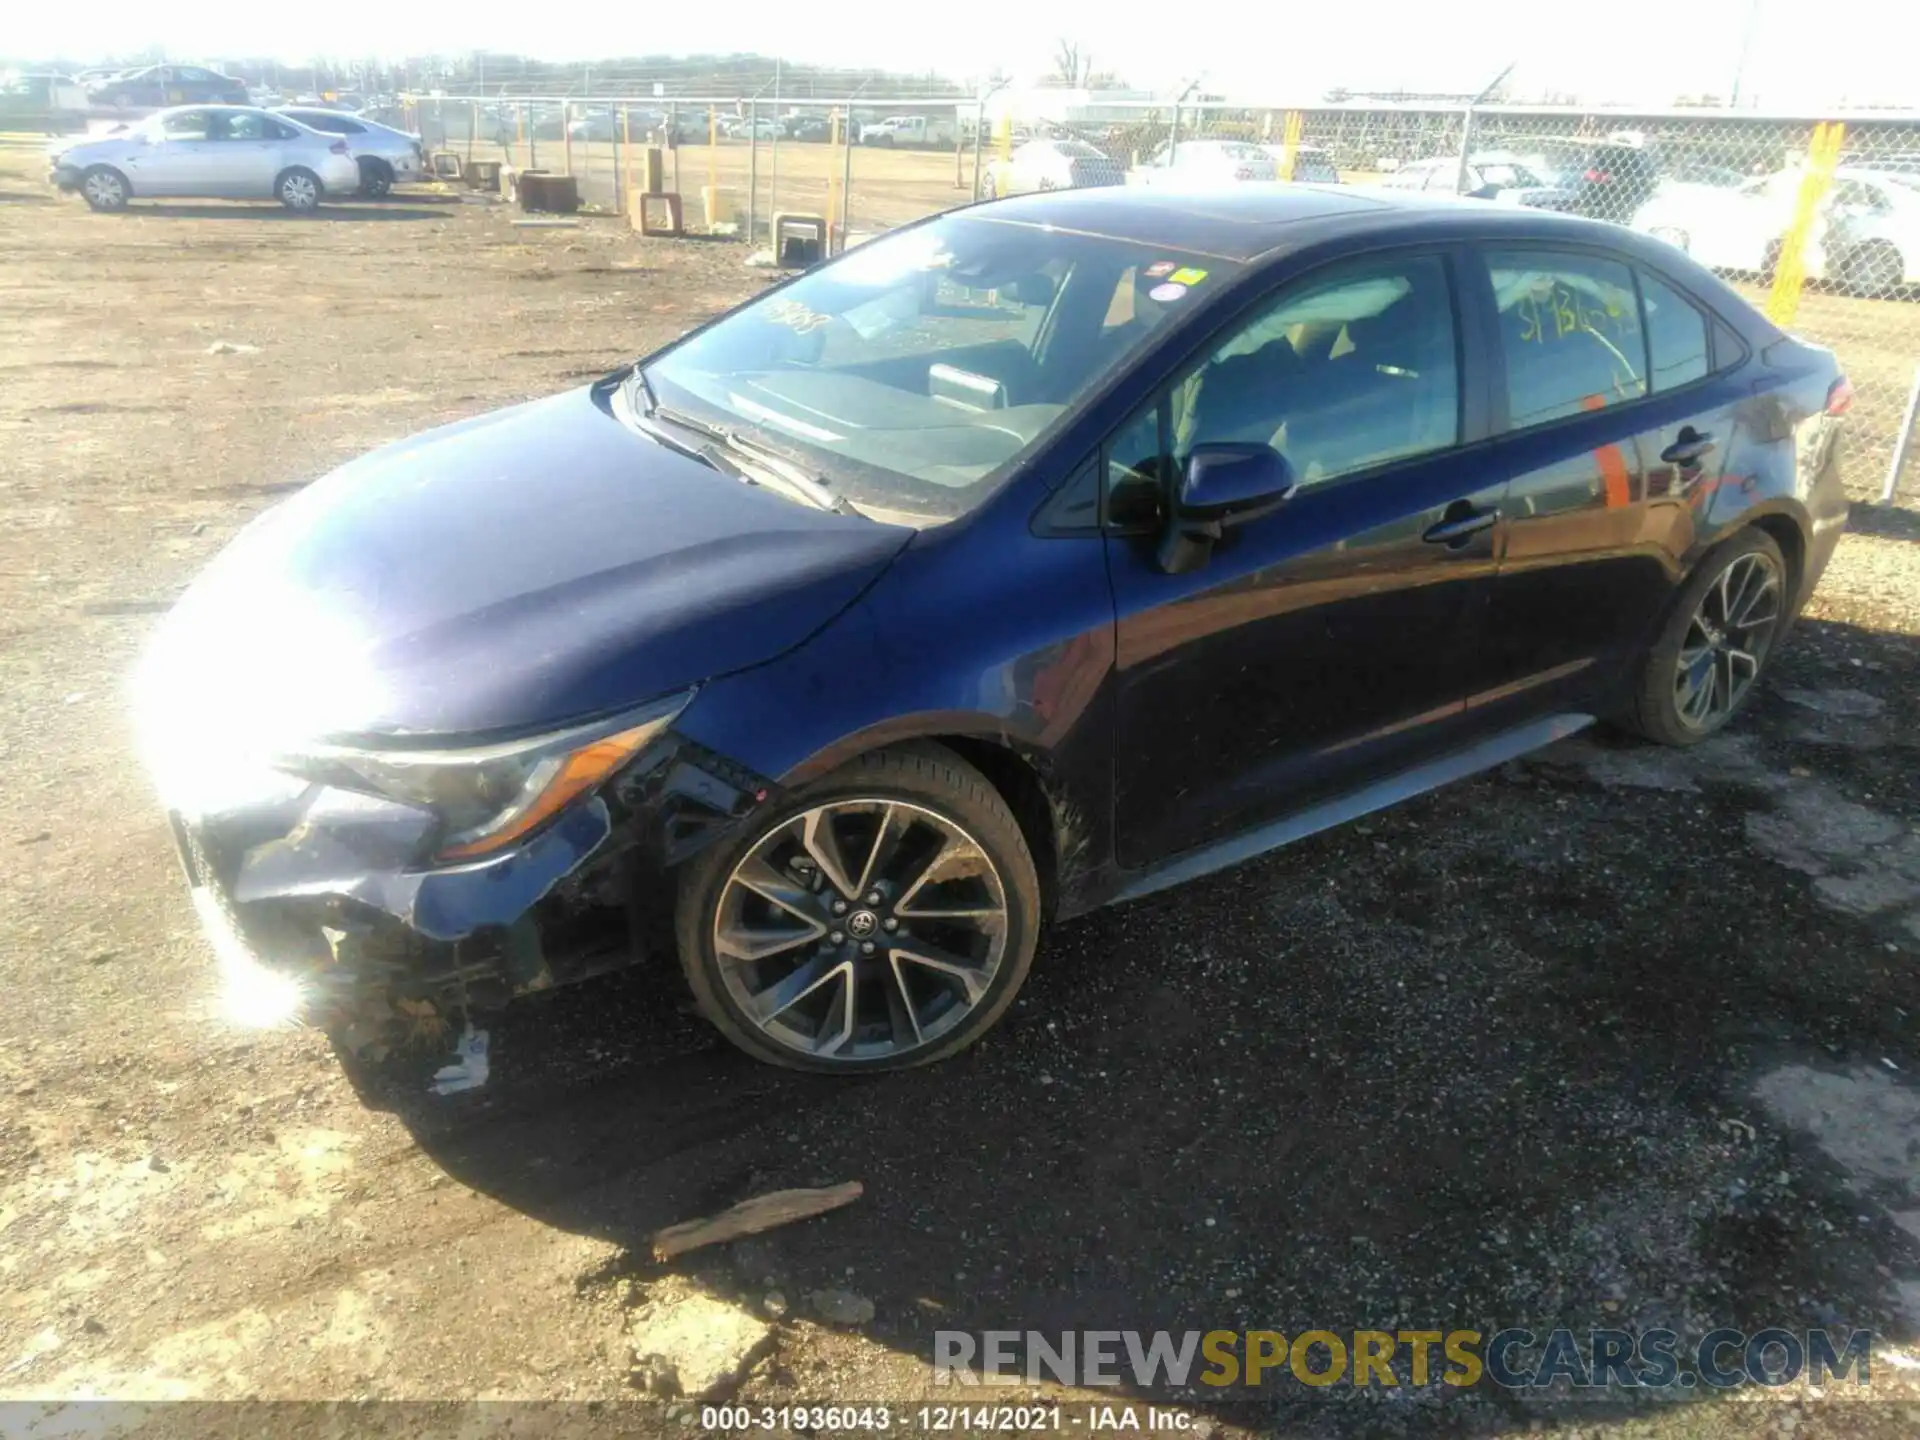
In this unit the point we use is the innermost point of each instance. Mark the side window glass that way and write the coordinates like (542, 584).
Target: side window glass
(188, 125)
(1570, 330)
(1345, 371)
(1676, 335)
(1135, 471)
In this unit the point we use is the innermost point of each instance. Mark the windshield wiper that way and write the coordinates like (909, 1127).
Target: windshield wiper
(765, 465)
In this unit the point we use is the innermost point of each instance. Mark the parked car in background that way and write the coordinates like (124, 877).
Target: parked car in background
(809, 127)
(741, 128)
(386, 155)
(1077, 546)
(226, 152)
(1311, 164)
(1052, 165)
(169, 85)
(1497, 175)
(596, 126)
(911, 130)
(1205, 162)
(1616, 177)
(49, 104)
(1866, 232)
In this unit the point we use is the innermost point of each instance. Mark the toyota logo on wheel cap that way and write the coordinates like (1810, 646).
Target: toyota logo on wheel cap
(861, 924)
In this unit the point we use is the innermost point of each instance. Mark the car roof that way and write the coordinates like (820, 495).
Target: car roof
(1252, 221)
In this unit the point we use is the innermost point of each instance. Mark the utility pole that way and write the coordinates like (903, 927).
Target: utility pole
(1746, 46)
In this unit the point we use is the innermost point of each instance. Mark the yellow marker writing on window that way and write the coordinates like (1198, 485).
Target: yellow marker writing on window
(1186, 275)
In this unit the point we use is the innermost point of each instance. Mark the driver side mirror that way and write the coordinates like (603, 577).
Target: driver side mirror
(1225, 484)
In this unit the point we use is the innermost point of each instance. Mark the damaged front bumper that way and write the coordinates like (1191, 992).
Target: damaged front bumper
(321, 902)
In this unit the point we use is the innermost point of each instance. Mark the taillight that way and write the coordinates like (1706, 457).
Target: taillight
(338, 147)
(1596, 177)
(1840, 396)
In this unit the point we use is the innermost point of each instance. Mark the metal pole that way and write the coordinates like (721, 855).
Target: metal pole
(1466, 145)
(533, 137)
(1173, 134)
(846, 177)
(773, 161)
(979, 127)
(1746, 45)
(1902, 441)
(753, 165)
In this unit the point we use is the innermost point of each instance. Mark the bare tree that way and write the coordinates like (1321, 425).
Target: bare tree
(1071, 64)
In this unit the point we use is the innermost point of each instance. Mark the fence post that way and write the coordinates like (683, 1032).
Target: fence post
(1466, 142)
(979, 129)
(753, 165)
(846, 180)
(1173, 134)
(533, 138)
(566, 137)
(622, 164)
(1902, 441)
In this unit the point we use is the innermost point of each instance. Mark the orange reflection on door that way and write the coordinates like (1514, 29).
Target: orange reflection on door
(1613, 465)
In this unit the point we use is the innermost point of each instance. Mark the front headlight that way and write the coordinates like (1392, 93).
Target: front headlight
(492, 795)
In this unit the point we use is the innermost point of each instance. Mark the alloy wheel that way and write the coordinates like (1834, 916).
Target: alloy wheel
(298, 192)
(861, 929)
(104, 190)
(1727, 640)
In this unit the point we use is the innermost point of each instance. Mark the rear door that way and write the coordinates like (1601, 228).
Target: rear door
(1614, 429)
(251, 155)
(1321, 645)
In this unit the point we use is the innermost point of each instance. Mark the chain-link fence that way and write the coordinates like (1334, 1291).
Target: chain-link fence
(1817, 222)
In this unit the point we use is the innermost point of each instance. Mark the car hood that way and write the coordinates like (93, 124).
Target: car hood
(507, 573)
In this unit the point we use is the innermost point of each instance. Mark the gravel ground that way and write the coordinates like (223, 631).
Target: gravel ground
(1613, 1037)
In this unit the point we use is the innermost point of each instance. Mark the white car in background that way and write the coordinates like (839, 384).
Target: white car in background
(228, 152)
(1866, 233)
(1311, 164)
(386, 156)
(1052, 165)
(1497, 175)
(1205, 162)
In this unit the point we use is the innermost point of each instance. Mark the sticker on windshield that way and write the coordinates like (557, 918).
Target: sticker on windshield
(1168, 291)
(796, 316)
(1160, 269)
(1187, 275)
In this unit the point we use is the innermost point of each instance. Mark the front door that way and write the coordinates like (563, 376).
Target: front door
(1321, 644)
(178, 161)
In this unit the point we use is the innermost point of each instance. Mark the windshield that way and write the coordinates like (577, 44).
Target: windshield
(913, 371)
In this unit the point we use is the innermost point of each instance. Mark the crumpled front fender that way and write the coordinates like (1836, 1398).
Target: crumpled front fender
(364, 849)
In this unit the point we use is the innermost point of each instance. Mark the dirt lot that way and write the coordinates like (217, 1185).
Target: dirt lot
(1613, 1037)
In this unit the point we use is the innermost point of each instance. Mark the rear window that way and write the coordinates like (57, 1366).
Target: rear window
(1676, 335)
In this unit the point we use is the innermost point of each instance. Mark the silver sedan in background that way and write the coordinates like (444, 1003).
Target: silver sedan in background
(385, 155)
(228, 152)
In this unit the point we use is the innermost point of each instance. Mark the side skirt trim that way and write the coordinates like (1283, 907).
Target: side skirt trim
(1484, 755)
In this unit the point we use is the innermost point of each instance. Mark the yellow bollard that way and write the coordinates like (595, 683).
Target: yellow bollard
(1790, 269)
(1289, 143)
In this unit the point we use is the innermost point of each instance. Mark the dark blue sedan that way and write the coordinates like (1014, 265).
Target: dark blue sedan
(1031, 558)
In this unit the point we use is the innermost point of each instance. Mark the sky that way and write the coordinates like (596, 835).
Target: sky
(1630, 51)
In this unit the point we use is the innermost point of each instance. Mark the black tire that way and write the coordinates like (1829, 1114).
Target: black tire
(929, 778)
(299, 189)
(1874, 271)
(376, 179)
(1656, 709)
(105, 188)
